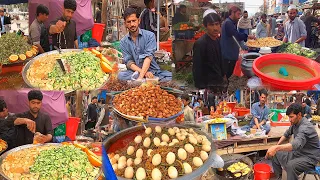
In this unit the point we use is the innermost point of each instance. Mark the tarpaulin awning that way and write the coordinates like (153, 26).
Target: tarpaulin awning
(82, 16)
(8, 2)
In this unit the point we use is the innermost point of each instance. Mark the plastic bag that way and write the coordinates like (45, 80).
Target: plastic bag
(86, 36)
(254, 82)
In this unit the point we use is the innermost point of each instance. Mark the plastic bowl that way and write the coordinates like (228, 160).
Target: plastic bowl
(287, 59)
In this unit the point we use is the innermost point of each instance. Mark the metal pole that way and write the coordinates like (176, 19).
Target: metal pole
(167, 11)
(158, 25)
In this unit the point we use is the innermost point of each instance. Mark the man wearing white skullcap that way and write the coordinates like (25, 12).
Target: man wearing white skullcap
(295, 29)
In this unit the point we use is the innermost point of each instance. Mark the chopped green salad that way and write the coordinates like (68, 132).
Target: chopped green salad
(294, 48)
(83, 72)
(67, 162)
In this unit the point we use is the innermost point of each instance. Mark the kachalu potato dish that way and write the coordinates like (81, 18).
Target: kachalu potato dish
(161, 153)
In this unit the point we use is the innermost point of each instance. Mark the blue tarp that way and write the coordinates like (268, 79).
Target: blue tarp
(8, 2)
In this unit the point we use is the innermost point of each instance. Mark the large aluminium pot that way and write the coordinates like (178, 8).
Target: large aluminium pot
(124, 137)
(247, 63)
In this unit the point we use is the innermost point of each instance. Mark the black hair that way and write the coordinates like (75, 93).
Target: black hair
(68, 98)
(102, 101)
(263, 15)
(294, 108)
(185, 97)
(3, 105)
(146, 2)
(42, 9)
(182, 6)
(263, 91)
(70, 4)
(211, 18)
(245, 12)
(35, 94)
(94, 97)
(128, 12)
(234, 9)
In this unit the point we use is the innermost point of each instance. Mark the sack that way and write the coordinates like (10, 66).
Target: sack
(60, 130)
(86, 36)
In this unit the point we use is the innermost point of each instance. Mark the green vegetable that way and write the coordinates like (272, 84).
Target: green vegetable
(11, 43)
(67, 162)
(294, 48)
(85, 73)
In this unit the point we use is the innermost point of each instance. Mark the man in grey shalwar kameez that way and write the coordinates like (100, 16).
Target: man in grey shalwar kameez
(300, 155)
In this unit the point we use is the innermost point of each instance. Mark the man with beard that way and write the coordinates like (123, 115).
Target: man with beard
(229, 36)
(262, 27)
(8, 121)
(63, 30)
(42, 121)
(207, 59)
(148, 17)
(300, 155)
(138, 48)
(244, 24)
(295, 29)
(260, 112)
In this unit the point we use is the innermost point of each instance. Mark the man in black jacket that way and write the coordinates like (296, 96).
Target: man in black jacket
(4, 21)
(92, 114)
(148, 17)
(207, 58)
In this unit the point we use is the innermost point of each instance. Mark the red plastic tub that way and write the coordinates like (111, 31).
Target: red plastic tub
(261, 171)
(231, 105)
(166, 45)
(72, 127)
(242, 111)
(97, 31)
(287, 59)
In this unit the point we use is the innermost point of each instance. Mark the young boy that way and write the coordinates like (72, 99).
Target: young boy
(188, 112)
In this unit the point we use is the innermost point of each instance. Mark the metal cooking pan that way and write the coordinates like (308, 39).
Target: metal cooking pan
(27, 66)
(3, 156)
(195, 175)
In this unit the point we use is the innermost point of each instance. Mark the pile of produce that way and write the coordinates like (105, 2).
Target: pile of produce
(147, 101)
(183, 26)
(161, 153)
(239, 169)
(15, 48)
(294, 48)
(217, 120)
(114, 84)
(49, 162)
(85, 71)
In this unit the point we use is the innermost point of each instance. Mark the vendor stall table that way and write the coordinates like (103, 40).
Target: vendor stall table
(237, 145)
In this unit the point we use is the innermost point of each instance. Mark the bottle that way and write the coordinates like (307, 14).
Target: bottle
(173, 69)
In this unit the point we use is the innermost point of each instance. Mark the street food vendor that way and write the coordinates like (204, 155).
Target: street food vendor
(42, 121)
(63, 30)
(138, 48)
(294, 29)
(8, 121)
(207, 59)
(260, 112)
(38, 32)
(302, 153)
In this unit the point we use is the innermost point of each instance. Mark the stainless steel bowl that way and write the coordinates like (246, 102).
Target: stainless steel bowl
(195, 175)
(3, 156)
(27, 66)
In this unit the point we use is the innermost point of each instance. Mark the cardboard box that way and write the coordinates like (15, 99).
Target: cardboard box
(218, 131)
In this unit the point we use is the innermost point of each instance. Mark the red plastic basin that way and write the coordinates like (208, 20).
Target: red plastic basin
(287, 59)
(261, 171)
(231, 105)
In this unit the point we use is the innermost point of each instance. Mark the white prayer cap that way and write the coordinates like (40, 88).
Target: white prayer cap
(292, 7)
(208, 11)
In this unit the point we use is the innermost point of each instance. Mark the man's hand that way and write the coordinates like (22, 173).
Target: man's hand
(251, 37)
(41, 139)
(31, 125)
(271, 151)
(61, 25)
(149, 75)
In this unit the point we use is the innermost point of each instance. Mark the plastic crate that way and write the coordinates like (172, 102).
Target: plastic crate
(183, 34)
